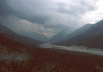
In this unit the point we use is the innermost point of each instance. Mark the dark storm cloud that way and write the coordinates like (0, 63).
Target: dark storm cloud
(47, 15)
(4, 8)
(78, 7)
(40, 11)
(13, 8)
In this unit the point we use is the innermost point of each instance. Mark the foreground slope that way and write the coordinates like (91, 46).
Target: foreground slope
(15, 56)
(17, 59)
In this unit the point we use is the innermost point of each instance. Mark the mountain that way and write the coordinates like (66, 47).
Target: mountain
(36, 36)
(90, 35)
(61, 35)
(79, 31)
(10, 35)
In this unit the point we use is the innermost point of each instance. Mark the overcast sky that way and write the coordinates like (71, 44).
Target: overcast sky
(48, 17)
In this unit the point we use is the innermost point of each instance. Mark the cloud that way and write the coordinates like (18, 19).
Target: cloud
(42, 11)
(23, 26)
(96, 15)
(48, 17)
(76, 7)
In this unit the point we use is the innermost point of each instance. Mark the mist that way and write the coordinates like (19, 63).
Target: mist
(80, 49)
(48, 17)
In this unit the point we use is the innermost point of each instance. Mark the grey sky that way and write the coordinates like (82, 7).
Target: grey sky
(48, 17)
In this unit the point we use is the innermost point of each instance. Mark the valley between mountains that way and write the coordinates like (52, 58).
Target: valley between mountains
(80, 51)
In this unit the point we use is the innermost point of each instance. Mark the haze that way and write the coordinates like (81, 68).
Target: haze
(48, 17)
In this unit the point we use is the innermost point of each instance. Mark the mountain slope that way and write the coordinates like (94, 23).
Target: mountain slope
(36, 36)
(88, 35)
(61, 35)
(9, 34)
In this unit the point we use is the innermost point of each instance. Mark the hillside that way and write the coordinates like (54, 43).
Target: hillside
(11, 35)
(88, 35)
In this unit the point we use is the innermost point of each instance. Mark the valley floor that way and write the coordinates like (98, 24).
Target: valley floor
(47, 60)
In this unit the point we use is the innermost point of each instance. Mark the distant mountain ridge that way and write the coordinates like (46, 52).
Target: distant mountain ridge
(61, 35)
(36, 36)
(9, 34)
(88, 35)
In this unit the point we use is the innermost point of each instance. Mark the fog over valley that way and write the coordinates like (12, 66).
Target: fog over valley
(81, 49)
(51, 35)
